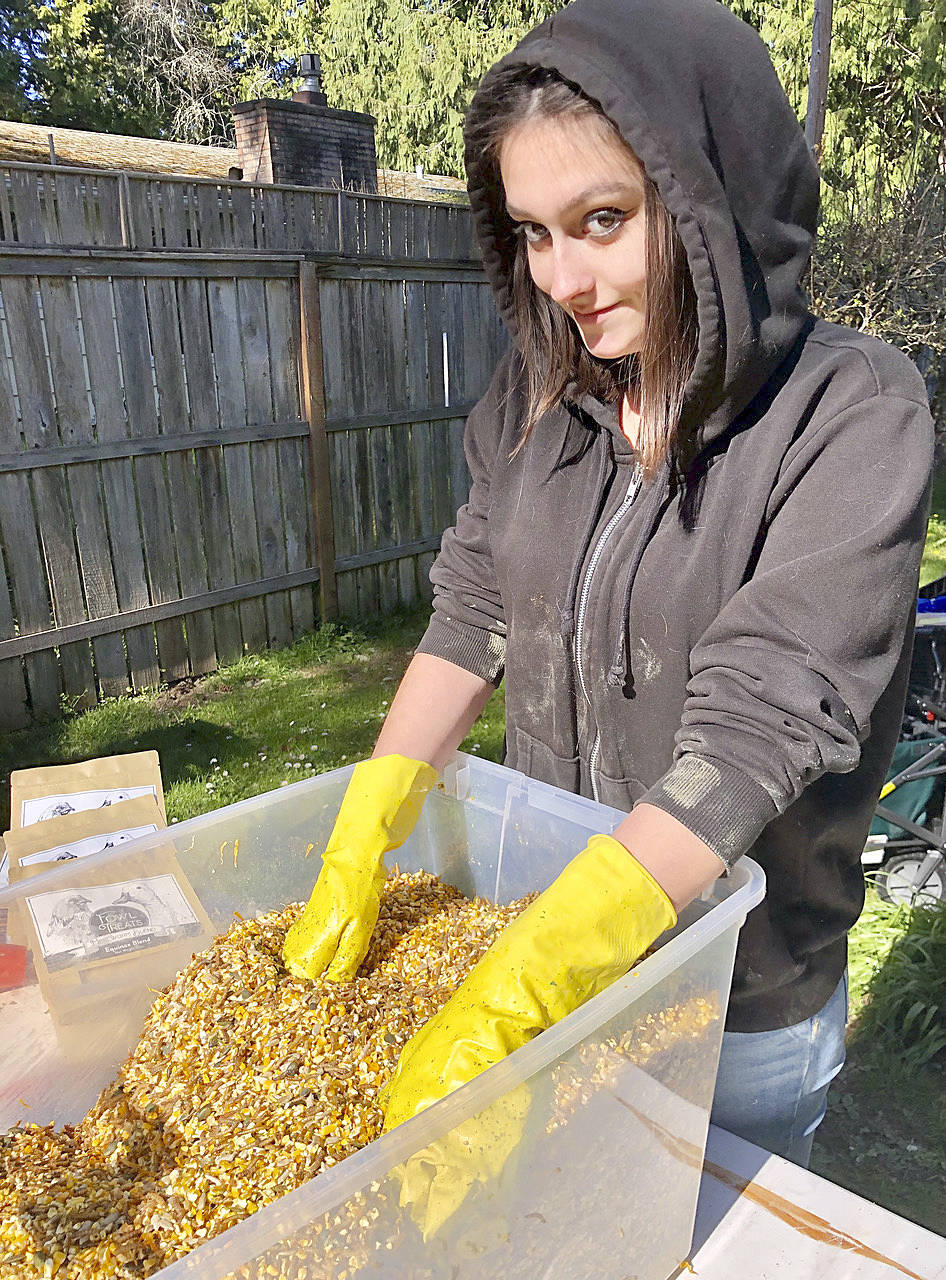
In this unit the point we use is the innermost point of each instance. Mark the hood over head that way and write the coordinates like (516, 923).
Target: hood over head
(693, 92)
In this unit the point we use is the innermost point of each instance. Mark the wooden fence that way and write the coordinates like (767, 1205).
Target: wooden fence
(225, 411)
(57, 206)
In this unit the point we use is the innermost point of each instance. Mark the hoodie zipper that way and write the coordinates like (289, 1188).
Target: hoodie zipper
(632, 491)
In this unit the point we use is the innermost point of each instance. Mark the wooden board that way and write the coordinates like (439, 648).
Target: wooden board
(174, 216)
(207, 198)
(134, 333)
(139, 195)
(378, 381)
(16, 523)
(208, 464)
(70, 209)
(62, 314)
(22, 304)
(242, 231)
(174, 419)
(336, 404)
(283, 321)
(421, 457)
(270, 521)
(352, 312)
(394, 325)
(29, 216)
(105, 215)
(231, 397)
(96, 300)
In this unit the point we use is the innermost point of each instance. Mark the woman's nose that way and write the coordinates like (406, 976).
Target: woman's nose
(571, 277)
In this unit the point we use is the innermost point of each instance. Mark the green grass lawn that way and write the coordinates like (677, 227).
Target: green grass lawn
(270, 719)
(934, 555)
(277, 717)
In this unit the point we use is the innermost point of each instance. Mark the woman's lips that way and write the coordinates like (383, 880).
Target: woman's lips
(591, 317)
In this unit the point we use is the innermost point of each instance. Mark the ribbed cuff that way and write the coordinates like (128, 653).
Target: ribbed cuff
(720, 804)
(474, 648)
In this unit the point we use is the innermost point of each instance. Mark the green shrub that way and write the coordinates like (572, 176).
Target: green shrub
(904, 1005)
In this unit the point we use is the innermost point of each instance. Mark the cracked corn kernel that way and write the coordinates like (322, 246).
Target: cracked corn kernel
(245, 1083)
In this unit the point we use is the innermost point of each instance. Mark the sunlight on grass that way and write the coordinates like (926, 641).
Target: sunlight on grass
(267, 720)
(933, 565)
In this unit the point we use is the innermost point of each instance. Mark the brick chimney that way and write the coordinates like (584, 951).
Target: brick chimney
(305, 142)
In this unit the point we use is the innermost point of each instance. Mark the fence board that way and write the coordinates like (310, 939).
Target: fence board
(18, 534)
(231, 394)
(105, 216)
(174, 421)
(38, 422)
(275, 215)
(444, 508)
(208, 463)
(241, 215)
(270, 522)
(70, 210)
(283, 320)
(29, 215)
(334, 351)
(352, 316)
(455, 322)
(105, 380)
(377, 380)
(134, 333)
(62, 319)
(399, 437)
(139, 218)
(174, 215)
(208, 210)
(7, 229)
(421, 457)
(14, 709)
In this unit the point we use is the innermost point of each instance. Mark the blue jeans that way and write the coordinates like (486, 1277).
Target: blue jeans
(772, 1086)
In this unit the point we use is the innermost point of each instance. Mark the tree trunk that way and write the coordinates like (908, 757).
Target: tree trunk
(818, 75)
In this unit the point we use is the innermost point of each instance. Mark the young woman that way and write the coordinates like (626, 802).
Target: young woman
(691, 545)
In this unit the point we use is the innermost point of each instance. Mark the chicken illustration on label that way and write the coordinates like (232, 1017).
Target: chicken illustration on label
(98, 921)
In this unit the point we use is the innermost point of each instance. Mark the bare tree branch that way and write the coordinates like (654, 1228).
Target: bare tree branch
(187, 76)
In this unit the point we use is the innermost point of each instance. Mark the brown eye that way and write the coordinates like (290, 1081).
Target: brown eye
(531, 232)
(603, 222)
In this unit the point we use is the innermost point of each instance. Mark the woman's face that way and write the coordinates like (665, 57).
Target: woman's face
(577, 196)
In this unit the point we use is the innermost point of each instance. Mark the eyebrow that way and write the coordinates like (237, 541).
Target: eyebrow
(590, 195)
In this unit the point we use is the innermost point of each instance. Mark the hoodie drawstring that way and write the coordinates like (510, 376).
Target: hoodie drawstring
(621, 656)
(594, 510)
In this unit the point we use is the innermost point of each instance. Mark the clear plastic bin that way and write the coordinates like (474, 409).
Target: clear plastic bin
(613, 1102)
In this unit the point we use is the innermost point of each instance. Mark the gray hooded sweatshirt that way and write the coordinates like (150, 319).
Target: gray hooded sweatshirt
(730, 643)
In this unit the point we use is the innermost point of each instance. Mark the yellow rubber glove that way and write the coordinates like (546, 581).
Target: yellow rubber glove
(380, 808)
(587, 929)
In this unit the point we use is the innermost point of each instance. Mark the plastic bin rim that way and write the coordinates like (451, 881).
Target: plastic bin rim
(323, 1193)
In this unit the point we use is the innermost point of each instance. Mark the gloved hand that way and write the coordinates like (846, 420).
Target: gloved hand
(436, 1180)
(379, 811)
(585, 930)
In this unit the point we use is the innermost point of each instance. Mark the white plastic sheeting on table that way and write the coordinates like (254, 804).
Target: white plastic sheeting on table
(762, 1218)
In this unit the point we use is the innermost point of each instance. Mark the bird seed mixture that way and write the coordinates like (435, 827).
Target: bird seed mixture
(246, 1082)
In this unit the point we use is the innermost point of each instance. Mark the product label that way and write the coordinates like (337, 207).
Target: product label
(40, 808)
(87, 845)
(96, 921)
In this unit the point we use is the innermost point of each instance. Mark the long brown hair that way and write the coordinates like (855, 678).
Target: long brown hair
(554, 355)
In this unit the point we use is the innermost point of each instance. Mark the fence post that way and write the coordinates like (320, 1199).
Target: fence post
(313, 409)
(124, 211)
